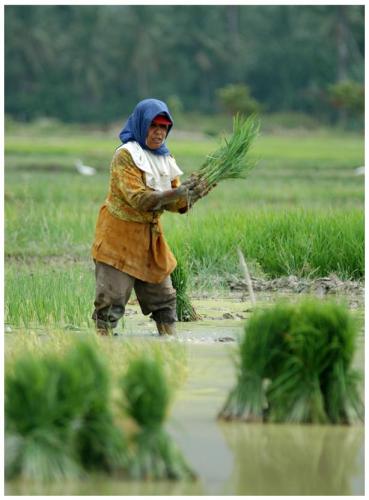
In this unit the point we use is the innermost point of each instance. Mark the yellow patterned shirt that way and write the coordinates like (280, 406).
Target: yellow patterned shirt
(128, 237)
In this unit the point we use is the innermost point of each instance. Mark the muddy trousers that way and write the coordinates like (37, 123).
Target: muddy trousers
(114, 288)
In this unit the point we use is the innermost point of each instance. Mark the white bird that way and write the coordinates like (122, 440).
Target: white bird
(84, 169)
(360, 171)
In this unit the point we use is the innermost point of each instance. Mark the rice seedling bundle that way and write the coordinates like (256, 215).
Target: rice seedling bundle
(38, 426)
(57, 416)
(231, 160)
(146, 398)
(295, 365)
(185, 310)
(99, 443)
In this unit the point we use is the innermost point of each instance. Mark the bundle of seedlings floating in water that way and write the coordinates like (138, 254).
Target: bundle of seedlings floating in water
(295, 365)
(185, 310)
(232, 160)
(147, 395)
(58, 421)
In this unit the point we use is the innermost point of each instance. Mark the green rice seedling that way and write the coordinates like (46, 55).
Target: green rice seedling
(39, 426)
(49, 296)
(185, 310)
(322, 386)
(58, 417)
(260, 358)
(146, 398)
(100, 444)
(231, 160)
(147, 392)
(172, 355)
(299, 242)
(303, 243)
(295, 365)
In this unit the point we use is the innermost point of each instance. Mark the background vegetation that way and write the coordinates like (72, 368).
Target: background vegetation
(92, 63)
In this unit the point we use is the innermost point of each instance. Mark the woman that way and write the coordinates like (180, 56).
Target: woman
(129, 250)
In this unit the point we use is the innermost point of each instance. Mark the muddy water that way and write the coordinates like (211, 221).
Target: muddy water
(256, 459)
(233, 458)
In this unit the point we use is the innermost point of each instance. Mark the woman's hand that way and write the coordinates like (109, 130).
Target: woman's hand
(199, 190)
(190, 191)
(191, 182)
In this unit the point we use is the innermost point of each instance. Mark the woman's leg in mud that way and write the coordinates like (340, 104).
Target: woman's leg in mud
(113, 289)
(159, 300)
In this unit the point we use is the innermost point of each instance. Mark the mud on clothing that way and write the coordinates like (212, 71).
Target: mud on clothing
(113, 289)
(130, 251)
(127, 237)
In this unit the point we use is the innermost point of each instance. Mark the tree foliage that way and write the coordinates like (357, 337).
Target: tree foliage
(93, 62)
(236, 98)
(347, 95)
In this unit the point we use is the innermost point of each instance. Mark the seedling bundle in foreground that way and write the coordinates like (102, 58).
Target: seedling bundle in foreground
(295, 365)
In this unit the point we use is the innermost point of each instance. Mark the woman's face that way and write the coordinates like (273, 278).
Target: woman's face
(156, 135)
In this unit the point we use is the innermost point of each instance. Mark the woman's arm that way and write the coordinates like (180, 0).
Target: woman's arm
(129, 180)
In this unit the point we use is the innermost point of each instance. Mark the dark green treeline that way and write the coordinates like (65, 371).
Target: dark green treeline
(92, 63)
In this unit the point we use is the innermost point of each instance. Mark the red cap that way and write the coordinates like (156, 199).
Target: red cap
(162, 120)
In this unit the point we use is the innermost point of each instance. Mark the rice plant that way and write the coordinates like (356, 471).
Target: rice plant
(231, 160)
(39, 427)
(260, 357)
(146, 398)
(295, 365)
(99, 443)
(57, 416)
(294, 241)
(185, 310)
(59, 296)
(322, 348)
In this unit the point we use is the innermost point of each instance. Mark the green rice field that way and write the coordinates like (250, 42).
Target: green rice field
(300, 213)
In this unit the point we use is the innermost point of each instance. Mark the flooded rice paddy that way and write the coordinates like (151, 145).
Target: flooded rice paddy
(231, 458)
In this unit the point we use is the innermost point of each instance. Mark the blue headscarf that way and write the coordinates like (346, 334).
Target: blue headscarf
(137, 125)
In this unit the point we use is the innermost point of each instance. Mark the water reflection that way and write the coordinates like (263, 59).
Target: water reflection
(295, 459)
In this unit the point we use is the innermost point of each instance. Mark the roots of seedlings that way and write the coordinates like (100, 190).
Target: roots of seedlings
(157, 457)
